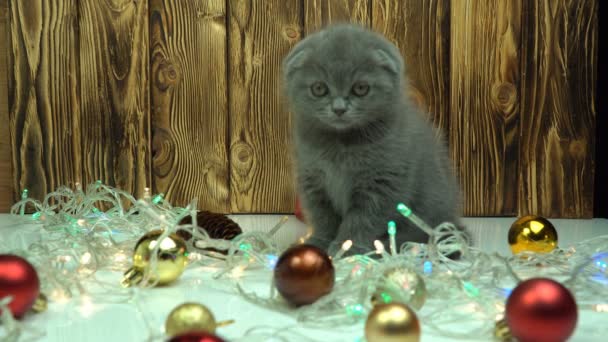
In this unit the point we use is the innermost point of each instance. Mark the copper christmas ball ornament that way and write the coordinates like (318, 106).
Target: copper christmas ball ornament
(532, 234)
(394, 322)
(303, 274)
(541, 310)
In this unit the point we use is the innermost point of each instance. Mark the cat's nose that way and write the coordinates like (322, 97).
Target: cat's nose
(338, 106)
(339, 111)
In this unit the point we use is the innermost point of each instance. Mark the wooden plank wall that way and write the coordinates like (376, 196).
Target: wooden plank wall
(189, 94)
(558, 109)
(6, 172)
(44, 95)
(78, 94)
(113, 83)
(185, 96)
(260, 171)
(484, 103)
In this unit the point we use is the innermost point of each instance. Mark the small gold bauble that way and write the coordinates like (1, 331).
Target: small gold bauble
(393, 322)
(190, 317)
(532, 234)
(41, 303)
(502, 332)
(401, 285)
(171, 259)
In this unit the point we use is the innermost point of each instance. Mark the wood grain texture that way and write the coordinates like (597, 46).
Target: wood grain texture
(189, 97)
(113, 80)
(260, 35)
(321, 13)
(421, 31)
(484, 103)
(6, 172)
(43, 96)
(558, 112)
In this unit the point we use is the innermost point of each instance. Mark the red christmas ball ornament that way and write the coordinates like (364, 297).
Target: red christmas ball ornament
(298, 211)
(196, 336)
(541, 310)
(18, 279)
(303, 274)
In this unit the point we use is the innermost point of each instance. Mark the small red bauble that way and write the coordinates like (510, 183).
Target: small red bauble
(298, 211)
(541, 310)
(196, 336)
(18, 279)
(303, 274)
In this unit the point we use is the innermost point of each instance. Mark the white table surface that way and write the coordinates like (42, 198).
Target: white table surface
(74, 321)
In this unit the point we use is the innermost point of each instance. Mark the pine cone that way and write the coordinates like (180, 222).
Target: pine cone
(217, 226)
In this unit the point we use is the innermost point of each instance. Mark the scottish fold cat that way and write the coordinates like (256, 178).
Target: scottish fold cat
(361, 146)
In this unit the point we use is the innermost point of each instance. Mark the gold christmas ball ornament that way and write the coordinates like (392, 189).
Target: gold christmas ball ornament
(401, 285)
(41, 303)
(170, 263)
(189, 317)
(393, 322)
(532, 234)
(502, 332)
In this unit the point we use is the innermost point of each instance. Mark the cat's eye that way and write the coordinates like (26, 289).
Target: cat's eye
(360, 88)
(319, 89)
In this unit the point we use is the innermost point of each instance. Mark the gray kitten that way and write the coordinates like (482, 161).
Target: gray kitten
(361, 147)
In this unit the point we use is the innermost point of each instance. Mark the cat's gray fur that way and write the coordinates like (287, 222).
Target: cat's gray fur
(353, 169)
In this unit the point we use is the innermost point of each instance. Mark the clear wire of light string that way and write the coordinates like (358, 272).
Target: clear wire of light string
(86, 233)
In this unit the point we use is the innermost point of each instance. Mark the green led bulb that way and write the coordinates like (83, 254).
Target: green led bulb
(158, 198)
(354, 310)
(386, 298)
(471, 290)
(404, 210)
(245, 246)
(392, 228)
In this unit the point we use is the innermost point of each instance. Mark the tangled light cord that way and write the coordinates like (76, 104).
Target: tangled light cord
(85, 234)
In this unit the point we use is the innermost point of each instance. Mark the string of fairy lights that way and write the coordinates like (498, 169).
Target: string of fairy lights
(419, 281)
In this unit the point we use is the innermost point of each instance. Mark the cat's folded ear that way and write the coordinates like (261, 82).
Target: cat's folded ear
(388, 60)
(294, 61)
